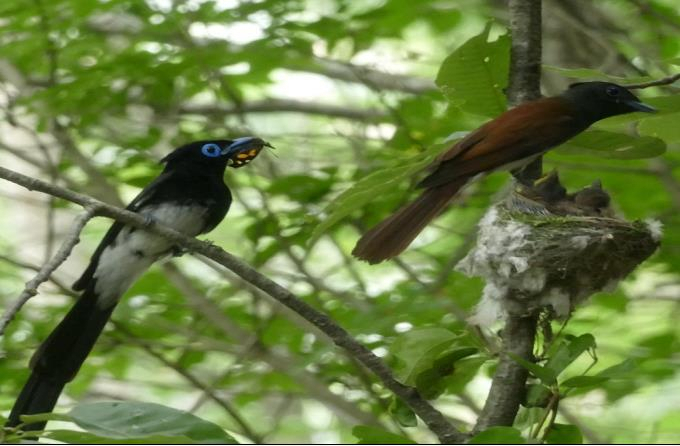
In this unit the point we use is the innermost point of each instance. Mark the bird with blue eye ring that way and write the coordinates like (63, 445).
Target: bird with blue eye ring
(189, 196)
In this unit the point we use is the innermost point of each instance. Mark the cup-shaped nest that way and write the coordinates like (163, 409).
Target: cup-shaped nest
(533, 259)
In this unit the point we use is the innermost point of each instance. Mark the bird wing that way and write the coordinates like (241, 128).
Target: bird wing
(146, 196)
(525, 131)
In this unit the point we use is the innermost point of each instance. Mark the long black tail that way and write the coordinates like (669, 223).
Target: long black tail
(59, 358)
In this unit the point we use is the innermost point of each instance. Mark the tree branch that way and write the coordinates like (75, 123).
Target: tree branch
(665, 81)
(277, 360)
(434, 419)
(273, 105)
(525, 63)
(508, 385)
(44, 274)
(330, 68)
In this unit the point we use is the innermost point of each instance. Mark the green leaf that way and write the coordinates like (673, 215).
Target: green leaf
(537, 395)
(498, 435)
(593, 75)
(78, 437)
(402, 413)
(374, 435)
(547, 376)
(432, 382)
(476, 73)
(127, 420)
(663, 126)
(606, 144)
(465, 371)
(418, 350)
(568, 351)
(621, 369)
(584, 381)
(564, 434)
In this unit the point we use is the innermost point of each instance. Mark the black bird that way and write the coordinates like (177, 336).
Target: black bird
(189, 196)
(509, 141)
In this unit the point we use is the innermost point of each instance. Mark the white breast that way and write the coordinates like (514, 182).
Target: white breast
(134, 251)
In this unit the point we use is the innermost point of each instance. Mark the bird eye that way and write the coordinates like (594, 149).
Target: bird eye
(613, 91)
(211, 150)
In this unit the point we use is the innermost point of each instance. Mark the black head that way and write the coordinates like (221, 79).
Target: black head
(599, 100)
(216, 154)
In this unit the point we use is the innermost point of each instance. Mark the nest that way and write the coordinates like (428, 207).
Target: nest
(533, 259)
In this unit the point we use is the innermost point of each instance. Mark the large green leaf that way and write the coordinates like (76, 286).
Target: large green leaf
(433, 381)
(664, 127)
(418, 350)
(77, 437)
(134, 420)
(546, 375)
(374, 435)
(568, 351)
(584, 381)
(475, 74)
(593, 75)
(606, 144)
(618, 370)
(537, 395)
(564, 434)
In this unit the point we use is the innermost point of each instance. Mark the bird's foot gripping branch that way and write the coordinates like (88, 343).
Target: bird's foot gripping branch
(536, 253)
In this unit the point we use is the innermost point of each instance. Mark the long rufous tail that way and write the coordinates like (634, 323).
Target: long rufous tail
(393, 235)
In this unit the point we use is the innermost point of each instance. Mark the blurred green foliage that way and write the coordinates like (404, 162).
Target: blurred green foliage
(94, 93)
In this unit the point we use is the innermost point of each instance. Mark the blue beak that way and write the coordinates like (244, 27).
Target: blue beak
(243, 145)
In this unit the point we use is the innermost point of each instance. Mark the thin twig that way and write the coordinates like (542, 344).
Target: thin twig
(553, 405)
(276, 105)
(665, 81)
(43, 275)
(63, 288)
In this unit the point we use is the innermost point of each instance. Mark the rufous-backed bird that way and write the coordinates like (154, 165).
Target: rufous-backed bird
(509, 141)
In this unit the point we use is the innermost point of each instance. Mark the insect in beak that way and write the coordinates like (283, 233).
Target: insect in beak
(243, 150)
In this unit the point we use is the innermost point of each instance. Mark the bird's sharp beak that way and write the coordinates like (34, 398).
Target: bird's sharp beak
(241, 144)
(640, 106)
(242, 150)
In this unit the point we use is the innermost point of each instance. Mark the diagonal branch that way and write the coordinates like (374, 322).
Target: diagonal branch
(665, 81)
(434, 419)
(274, 105)
(48, 268)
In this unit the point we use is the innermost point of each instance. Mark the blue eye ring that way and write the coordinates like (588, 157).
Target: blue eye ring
(211, 150)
